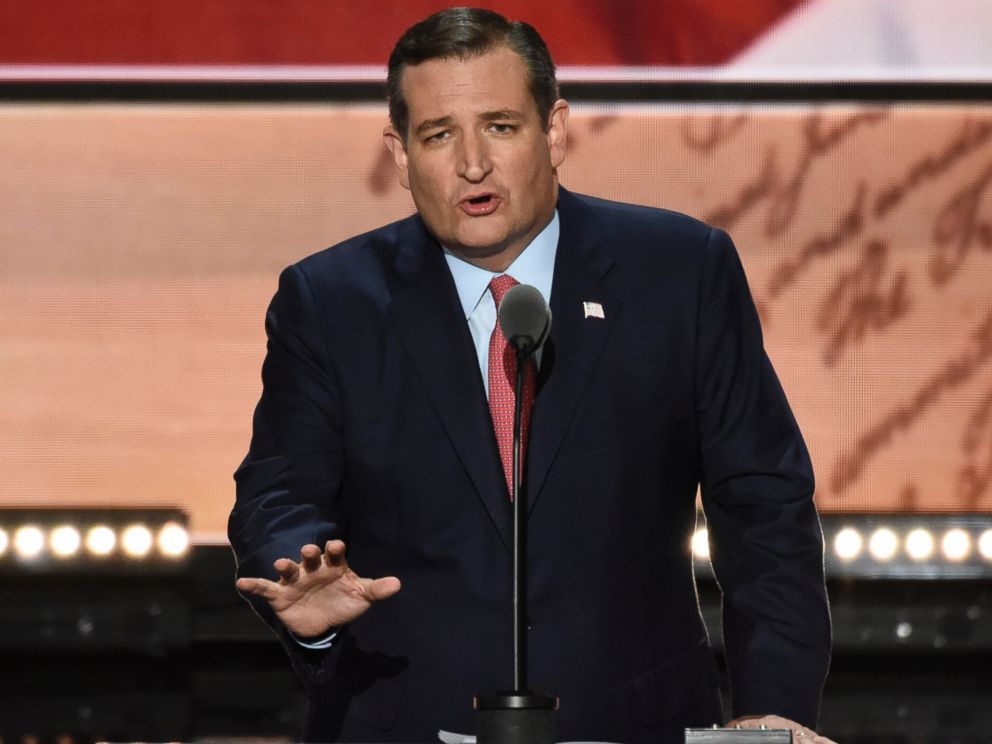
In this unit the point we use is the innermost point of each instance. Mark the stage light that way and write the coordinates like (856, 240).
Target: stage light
(136, 541)
(956, 545)
(701, 544)
(29, 541)
(173, 540)
(100, 540)
(848, 544)
(984, 545)
(64, 541)
(94, 541)
(883, 544)
(919, 544)
(908, 546)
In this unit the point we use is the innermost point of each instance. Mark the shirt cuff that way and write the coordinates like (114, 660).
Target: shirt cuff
(320, 643)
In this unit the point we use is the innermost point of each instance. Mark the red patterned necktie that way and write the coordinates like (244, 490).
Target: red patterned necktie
(502, 382)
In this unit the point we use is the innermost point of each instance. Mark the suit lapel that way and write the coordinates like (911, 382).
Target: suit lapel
(576, 342)
(428, 317)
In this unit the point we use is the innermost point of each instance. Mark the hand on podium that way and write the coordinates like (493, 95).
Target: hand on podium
(320, 592)
(800, 734)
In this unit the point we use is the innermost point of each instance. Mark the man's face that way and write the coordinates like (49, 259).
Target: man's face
(476, 158)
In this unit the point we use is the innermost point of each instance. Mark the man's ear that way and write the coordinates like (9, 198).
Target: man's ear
(397, 149)
(557, 132)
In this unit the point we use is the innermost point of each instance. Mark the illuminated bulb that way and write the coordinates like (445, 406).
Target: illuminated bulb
(984, 545)
(29, 541)
(101, 540)
(883, 544)
(4, 542)
(173, 540)
(65, 541)
(701, 543)
(919, 544)
(136, 541)
(956, 545)
(848, 544)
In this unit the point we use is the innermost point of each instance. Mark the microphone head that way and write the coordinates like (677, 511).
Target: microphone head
(525, 318)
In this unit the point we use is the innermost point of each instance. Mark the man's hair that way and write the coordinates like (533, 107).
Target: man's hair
(467, 32)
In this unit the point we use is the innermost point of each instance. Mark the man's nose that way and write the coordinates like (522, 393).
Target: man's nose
(474, 162)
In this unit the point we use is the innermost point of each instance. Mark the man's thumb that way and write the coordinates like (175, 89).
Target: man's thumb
(383, 588)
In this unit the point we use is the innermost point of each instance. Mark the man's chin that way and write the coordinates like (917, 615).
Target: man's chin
(482, 244)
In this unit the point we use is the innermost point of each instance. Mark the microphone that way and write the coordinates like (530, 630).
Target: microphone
(525, 319)
(519, 716)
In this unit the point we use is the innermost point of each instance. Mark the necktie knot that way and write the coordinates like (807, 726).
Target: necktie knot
(500, 285)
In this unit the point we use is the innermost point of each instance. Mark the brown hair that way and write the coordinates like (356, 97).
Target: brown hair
(466, 32)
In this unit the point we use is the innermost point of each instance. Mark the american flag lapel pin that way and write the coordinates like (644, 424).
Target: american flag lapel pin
(593, 310)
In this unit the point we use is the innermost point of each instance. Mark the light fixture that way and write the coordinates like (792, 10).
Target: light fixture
(984, 545)
(920, 544)
(136, 541)
(94, 541)
(29, 541)
(701, 544)
(848, 544)
(883, 544)
(64, 541)
(956, 544)
(100, 540)
(173, 540)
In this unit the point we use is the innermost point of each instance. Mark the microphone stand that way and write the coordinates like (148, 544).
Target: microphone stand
(519, 716)
(518, 496)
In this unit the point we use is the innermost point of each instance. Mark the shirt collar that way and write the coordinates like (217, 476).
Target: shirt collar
(535, 266)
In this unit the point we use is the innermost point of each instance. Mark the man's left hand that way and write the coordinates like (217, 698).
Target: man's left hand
(800, 734)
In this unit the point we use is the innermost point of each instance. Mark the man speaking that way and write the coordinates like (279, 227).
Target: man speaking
(381, 427)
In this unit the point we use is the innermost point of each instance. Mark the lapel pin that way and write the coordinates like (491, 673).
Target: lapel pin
(593, 310)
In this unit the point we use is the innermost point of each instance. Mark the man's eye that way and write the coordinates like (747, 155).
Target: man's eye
(501, 128)
(438, 136)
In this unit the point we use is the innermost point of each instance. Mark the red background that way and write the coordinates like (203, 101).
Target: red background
(362, 32)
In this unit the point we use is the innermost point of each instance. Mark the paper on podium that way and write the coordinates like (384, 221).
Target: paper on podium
(738, 736)
(692, 736)
(450, 737)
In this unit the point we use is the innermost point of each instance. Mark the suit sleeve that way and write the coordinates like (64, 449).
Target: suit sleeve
(288, 483)
(757, 490)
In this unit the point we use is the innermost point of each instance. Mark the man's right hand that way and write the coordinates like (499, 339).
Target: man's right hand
(320, 592)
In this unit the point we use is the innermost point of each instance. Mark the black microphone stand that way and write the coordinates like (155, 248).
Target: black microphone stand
(519, 716)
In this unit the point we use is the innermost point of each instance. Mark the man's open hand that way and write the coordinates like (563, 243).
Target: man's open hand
(800, 734)
(320, 592)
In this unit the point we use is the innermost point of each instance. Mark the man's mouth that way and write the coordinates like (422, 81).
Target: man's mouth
(478, 205)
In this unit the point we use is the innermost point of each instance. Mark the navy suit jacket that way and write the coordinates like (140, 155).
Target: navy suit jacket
(373, 426)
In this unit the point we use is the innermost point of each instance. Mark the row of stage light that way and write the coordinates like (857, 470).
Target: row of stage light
(865, 545)
(896, 546)
(57, 540)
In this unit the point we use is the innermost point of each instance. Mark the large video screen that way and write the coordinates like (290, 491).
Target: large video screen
(141, 243)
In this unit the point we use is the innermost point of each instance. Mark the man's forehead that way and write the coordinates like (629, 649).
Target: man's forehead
(480, 86)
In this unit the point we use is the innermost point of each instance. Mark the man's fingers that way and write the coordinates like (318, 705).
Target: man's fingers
(259, 587)
(379, 589)
(287, 570)
(800, 734)
(310, 557)
(334, 553)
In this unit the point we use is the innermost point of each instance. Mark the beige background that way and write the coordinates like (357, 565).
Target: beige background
(140, 244)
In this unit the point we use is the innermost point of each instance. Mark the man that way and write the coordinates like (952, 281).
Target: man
(374, 428)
